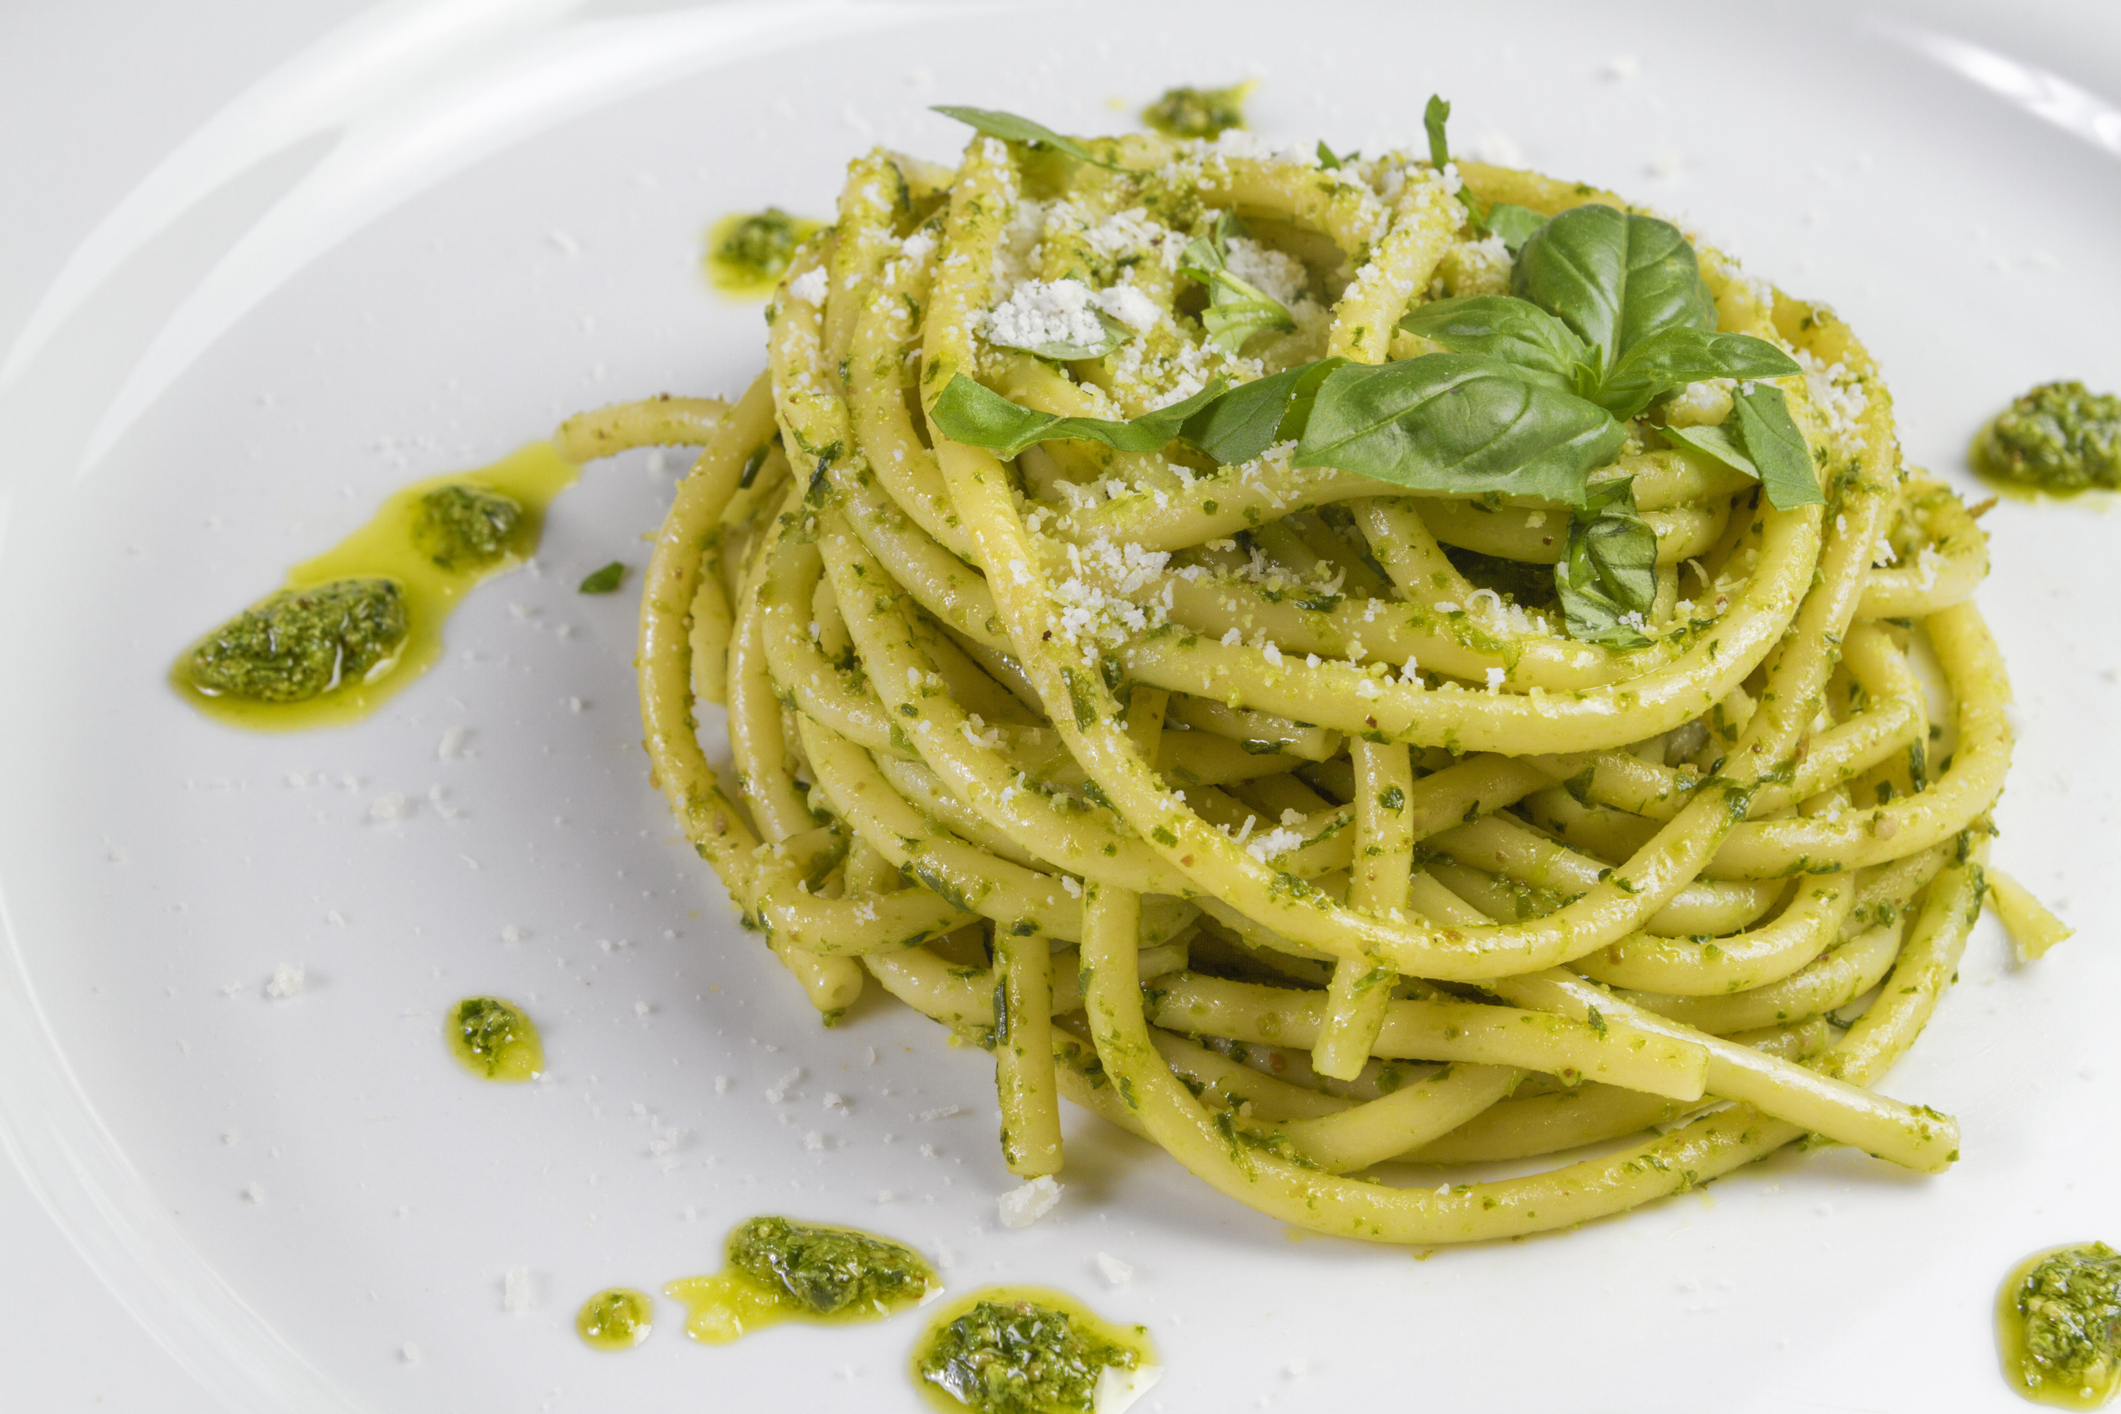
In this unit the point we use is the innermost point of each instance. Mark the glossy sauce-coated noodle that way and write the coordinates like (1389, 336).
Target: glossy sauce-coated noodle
(1272, 811)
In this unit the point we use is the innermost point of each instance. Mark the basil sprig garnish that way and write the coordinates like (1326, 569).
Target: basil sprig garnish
(1610, 310)
(1010, 128)
(1236, 308)
(1607, 577)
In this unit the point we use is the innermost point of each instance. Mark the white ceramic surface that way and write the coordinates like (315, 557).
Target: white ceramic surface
(415, 236)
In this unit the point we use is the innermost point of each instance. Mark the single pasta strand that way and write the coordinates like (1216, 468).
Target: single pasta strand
(1384, 857)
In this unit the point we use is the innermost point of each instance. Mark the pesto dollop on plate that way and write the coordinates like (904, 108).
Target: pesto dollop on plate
(1027, 1351)
(2059, 1326)
(302, 643)
(2059, 438)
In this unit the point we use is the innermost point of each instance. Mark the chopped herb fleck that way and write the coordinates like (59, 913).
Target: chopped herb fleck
(604, 581)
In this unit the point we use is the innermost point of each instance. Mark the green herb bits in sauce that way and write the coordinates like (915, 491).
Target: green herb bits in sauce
(303, 643)
(2058, 1326)
(1023, 1350)
(356, 623)
(2059, 438)
(747, 253)
(1198, 112)
(494, 1039)
(618, 1318)
(781, 1270)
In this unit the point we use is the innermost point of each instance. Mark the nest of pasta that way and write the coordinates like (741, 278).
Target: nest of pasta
(1295, 819)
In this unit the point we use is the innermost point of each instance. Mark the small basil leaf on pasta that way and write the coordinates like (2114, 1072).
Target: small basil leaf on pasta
(1607, 577)
(1457, 423)
(1237, 309)
(1010, 128)
(1614, 278)
(1516, 331)
(1252, 417)
(1719, 442)
(1327, 160)
(1514, 223)
(969, 412)
(1672, 358)
(1433, 119)
(1114, 334)
(1776, 447)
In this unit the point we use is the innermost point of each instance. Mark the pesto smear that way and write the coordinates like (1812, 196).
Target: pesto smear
(2058, 1325)
(779, 1270)
(2058, 438)
(618, 1318)
(747, 253)
(494, 1039)
(1027, 1351)
(1198, 112)
(358, 622)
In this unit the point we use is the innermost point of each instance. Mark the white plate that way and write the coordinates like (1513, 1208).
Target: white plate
(433, 232)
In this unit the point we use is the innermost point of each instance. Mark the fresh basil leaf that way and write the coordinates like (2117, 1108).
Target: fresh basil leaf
(1458, 423)
(1776, 447)
(1253, 416)
(1514, 223)
(1011, 128)
(1718, 442)
(1516, 331)
(1115, 334)
(1607, 577)
(1673, 358)
(1762, 441)
(1236, 309)
(1327, 160)
(1614, 278)
(969, 412)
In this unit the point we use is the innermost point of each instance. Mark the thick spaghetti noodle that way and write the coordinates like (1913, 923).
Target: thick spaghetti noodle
(1272, 811)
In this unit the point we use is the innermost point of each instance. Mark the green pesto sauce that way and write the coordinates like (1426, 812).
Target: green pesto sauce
(361, 620)
(465, 527)
(780, 1270)
(618, 1318)
(748, 252)
(494, 1039)
(1025, 1350)
(1198, 112)
(2059, 438)
(302, 643)
(2058, 1326)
